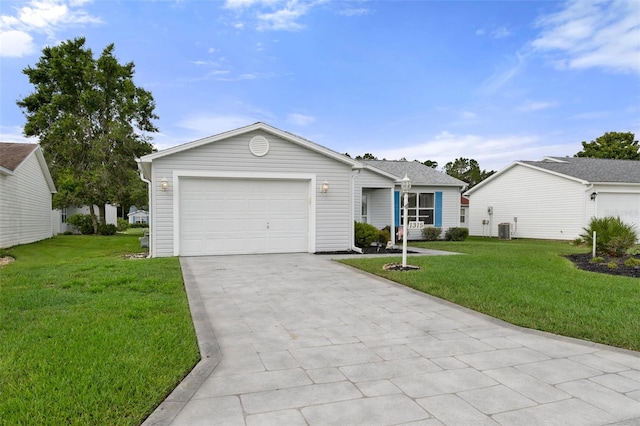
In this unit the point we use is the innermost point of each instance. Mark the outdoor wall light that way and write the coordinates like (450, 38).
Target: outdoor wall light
(164, 184)
(593, 196)
(325, 187)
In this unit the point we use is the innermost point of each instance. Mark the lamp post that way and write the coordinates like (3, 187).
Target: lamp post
(406, 186)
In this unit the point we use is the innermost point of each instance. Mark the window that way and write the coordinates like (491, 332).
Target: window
(421, 208)
(365, 209)
(63, 215)
(463, 217)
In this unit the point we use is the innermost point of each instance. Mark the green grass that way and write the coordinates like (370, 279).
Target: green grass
(87, 336)
(528, 283)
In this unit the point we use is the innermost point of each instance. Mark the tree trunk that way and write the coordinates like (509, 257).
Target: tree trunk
(103, 214)
(94, 221)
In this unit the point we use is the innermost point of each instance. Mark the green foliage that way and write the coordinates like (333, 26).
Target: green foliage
(632, 261)
(430, 163)
(138, 225)
(367, 156)
(634, 251)
(91, 122)
(467, 170)
(577, 241)
(384, 235)
(82, 223)
(108, 229)
(431, 233)
(456, 234)
(612, 264)
(613, 236)
(597, 259)
(123, 224)
(616, 145)
(365, 234)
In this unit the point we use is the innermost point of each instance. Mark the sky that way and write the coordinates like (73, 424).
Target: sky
(494, 81)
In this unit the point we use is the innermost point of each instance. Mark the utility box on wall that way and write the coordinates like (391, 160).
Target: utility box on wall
(504, 231)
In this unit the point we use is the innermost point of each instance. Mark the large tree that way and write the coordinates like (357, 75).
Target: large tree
(91, 121)
(616, 145)
(467, 170)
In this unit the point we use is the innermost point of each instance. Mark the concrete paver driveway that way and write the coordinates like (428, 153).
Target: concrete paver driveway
(300, 339)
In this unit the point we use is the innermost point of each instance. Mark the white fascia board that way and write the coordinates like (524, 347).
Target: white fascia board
(5, 171)
(45, 169)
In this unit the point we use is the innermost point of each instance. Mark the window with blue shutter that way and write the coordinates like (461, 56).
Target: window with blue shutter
(438, 208)
(396, 208)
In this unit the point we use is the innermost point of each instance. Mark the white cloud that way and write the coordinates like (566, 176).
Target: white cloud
(491, 152)
(593, 34)
(40, 17)
(300, 119)
(535, 106)
(504, 74)
(500, 32)
(352, 11)
(14, 134)
(274, 15)
(283, 19)
(15, 43)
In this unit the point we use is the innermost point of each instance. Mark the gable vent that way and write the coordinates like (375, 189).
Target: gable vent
(259, 146)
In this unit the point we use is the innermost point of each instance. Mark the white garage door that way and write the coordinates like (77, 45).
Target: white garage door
(243, 216)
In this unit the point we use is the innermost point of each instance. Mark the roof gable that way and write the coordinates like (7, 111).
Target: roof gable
(147, 159)
(581, 169)
(416, 171)
(13, 154)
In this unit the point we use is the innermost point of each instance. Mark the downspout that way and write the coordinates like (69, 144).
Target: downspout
(148, 182)
(354, 174)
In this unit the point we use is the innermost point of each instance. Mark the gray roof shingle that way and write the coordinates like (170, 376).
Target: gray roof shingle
(592, 169)
(416, 171)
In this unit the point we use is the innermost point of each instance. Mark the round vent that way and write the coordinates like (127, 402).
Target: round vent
(259, 146)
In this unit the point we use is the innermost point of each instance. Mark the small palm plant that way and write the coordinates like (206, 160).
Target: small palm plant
(613, 236)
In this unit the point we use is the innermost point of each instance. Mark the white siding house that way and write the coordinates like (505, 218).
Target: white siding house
(555, 198)
(259, 189)
(60, 216)
(26, 188)
(138, 216)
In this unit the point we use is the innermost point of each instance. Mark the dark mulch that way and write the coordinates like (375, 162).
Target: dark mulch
(582, 261)
(368, 250)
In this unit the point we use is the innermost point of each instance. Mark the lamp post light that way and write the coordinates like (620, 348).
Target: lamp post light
(406, 186)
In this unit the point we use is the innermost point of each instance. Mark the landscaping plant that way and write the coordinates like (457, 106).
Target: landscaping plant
(365, 234)
(431, 233)
(613, 236)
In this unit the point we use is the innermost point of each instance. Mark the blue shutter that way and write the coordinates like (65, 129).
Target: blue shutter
(396, 208)
(438, 213)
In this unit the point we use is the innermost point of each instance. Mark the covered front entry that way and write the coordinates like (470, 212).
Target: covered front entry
(243, 216)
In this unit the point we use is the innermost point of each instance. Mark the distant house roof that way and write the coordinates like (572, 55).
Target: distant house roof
(138, 213)
(464, 201)
(585, 170)
(601, 170)
(416, 171)
(13, 154)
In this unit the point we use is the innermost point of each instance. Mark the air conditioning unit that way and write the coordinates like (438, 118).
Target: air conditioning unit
(504, 231)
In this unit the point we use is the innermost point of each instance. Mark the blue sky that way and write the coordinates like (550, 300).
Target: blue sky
(496, 81)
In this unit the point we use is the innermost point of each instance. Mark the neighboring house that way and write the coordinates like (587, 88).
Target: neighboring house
(556, 197)
(26, 188)
(259, 189)
(138, 216)
(464, 211)
(59, 217)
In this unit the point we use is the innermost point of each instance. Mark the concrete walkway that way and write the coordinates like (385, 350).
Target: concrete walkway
(300, 339)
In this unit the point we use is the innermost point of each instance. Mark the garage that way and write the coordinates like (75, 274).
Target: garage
(625, 206)
(243, 216)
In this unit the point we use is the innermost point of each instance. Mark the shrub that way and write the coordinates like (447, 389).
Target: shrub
(456, 234)
(365, 234)
(138, 225)
(431, 233)
(123, 224)
(384, 235)
(608, 228)
(634, 251)
(108, 229)
(82, 222)
(632, 262)
(577, 242)
(612, 265)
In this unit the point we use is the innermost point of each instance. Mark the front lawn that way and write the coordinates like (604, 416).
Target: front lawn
(88, 336)
(527, 283)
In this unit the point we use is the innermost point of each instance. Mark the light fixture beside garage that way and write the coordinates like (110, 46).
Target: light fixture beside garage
(164, 184)
(325, 187)
(259, 146)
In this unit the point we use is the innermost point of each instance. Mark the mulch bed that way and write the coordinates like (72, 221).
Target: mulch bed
(368, 250)
(582, 261)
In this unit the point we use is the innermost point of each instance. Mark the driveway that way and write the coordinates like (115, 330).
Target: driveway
(300, 339)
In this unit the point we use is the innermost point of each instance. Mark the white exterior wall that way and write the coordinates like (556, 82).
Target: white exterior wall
(380, 190)
(450, 207)
(547, 206)
(333, 221)
(616, 200)
(25, 205)
(110, 211)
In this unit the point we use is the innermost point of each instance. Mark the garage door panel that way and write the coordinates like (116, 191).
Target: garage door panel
(236, 216)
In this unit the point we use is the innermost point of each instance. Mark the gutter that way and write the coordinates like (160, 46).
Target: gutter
(354, 174)
(148, 182)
